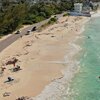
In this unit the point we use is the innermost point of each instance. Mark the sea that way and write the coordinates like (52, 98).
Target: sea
(86, 83)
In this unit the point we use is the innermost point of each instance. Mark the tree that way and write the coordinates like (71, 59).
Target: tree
(12, 18)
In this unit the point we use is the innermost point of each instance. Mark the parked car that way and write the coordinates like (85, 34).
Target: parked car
(28, 31)
(18, 32)
(34, 28)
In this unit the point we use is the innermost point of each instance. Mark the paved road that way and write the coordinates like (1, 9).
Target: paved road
(8, 41)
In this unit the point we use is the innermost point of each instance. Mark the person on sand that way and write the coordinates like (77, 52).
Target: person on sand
(17, 68)
(6, 94)
(10, 79)
(21, 36)
(14, 64)
(23, 98)
(3, 69)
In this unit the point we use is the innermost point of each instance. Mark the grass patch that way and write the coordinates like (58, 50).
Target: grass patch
(66, 14)
(52, 20)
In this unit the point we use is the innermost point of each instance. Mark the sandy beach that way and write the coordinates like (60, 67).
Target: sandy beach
(42, 58)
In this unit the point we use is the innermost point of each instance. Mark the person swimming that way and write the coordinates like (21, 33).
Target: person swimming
(88, 37)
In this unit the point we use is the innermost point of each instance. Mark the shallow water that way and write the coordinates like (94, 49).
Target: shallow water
(86, 84)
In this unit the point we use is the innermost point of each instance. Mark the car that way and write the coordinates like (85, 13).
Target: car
(18, 32)
(28, 31)
(34, 28)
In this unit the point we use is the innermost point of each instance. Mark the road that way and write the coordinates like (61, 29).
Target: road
(8, 41)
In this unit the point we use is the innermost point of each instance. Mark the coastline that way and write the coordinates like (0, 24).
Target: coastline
(59, 88)
(53, 61)
(80, 87)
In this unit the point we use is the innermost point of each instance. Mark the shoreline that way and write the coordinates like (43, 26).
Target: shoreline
(73, 90)
(56, 89)
(46, 64)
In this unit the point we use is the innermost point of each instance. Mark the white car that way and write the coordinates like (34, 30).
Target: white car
(28, 31)
(18, 32)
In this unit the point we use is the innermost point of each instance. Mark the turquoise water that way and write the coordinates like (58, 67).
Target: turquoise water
(86, 84)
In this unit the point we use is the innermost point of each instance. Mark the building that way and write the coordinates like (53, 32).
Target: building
(78, 7)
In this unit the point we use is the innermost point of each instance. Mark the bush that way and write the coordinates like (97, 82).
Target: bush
(27, 22)
(66, 15)
(52, 20)
(12, 17)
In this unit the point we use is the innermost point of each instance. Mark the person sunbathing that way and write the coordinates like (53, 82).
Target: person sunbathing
(2, 70)
(10, 79)
(17, 68)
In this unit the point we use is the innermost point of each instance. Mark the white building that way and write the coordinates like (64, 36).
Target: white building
(78, 7)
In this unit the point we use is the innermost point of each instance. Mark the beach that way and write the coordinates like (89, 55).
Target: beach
(44, 57)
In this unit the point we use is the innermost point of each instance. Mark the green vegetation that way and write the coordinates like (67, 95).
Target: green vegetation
(12, 16)
(52, 20)
(66, 14)
(95, 8)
